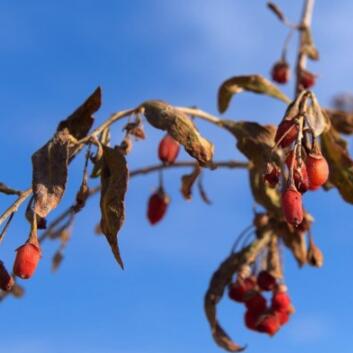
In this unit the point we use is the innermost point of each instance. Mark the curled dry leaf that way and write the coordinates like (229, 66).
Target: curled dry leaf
(114, 179)
(165, 117)
(103, 139)
(277, 11)
(50, 173)
(335, 150)
(81, 120)
(315, 256)
(317, 118)
(8, 191)
(221, 279)
(308, 46)
(188, 181)
(57, 260)
(251, 83)
(341, 121)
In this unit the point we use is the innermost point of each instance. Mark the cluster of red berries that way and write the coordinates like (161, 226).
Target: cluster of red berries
(260, 316)
(281, 74)
(158, 202)
(308, 170)
(27, 258)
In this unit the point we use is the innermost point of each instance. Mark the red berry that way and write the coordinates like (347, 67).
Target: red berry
(27, 258)
(287, 132)
(283, 317)
(292, 205)
(6, 281)
(251, 319)
(307, 79)
(272, 174)
(318, 170)
(257, 303)
(269, 324)
(266, 281)
(280, 72)
(168, 149)
(157, 206)
(281, 302)
(241, 289)
(301, 179)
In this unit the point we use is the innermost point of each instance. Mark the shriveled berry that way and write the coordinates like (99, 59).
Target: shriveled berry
(251, 319)
(257, 303)
(27, 258)
(241, 289)
(292, 205)
(168, 149)
(300, 174)
(287, 132)
(280, 72)
(307, 79)
(272, 174)
(318, 170)
(266, 281)
(157, 206)
(269, 324)
(6, 280)
(281, 302)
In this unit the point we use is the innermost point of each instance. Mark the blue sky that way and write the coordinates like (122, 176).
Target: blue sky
(53, 54)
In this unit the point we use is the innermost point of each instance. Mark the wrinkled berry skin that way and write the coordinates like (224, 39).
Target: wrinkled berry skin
(318, 170)
(292, 206)
(280, 72)
(27, 258)
(6, 281)
(240, 290)
(257, 303)
(307, 79)
(157, 206)
(168, 150)
(251, 319)
(269, 324)
(301, 179)
(266, 281)
(288, 127)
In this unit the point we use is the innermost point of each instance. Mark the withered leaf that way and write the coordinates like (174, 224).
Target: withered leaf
(57, 260)
(341, 121)
(114, 179)
(187, 182)
(50, 173)
(252, 83)
(8, 191)
(104, 139)
(81, 120)
(163, 116)
(308, 46)
(41, 222)
(276, 10)
(315, 256)
(318, 120)
(335, 150)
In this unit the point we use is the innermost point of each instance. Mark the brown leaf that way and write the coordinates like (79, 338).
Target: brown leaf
(104, 139)
(335, 150)
(50, 173)
(276, 10)
(8, 191)
(315, 256)
(57, 260)
(252, 83)
(114, 179)
(81, 120)
(318, 120)
(341, 121)
(165, 117)
(187, 182)
(308, 46)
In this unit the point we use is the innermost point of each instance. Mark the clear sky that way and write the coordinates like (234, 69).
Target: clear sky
(53, 55)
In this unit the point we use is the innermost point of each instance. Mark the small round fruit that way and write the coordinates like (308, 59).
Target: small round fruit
(280, 72)
(281, 302)
(287, 132)
(27, 258)
(6, 280)
(269, 324)
(266, 281)
(251, 319)
(168, 149)
(318, 170)
(307, 79)
(257, 303)
(292, 206)
(157, 206)
(241, 289)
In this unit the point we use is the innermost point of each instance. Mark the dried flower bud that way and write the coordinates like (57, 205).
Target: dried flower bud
(157, 206)
(280, 72)
(6, 280)
(168, 149)
(287, 132)
(292, 206)
(27, 258)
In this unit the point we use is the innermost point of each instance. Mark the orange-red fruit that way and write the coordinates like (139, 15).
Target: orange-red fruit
(287, 132)
(318, 170)
(168, 149)
(241, 289)
(251, 319)
(269, 324)
(257, 303)
(27, 258)
(307, 79)
(281, 302)
(280, 72)
(6, 281)
(266, 281)
(157, 206)
(283, 317)
(292, 206)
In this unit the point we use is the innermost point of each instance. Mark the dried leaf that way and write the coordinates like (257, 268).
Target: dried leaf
(81, 120)
(50, 173)
(57, 260)
(187, 182)
(319, 122)
(335, 150)
(252, 83)
(315, 256)
(104, 139)
(308, 46)
(276, 10)
(341, 121)
(41, 222)
(221, 279)
(274, 263)
(114, 179)
(165, 117)
(8, 191)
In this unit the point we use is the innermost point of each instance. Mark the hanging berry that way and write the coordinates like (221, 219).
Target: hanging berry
(318, 170)
(168, 149)
(287, 132)
(266, 281)
(6, 280)
(242, 289)
(280, 72)
(157, 206)
(292, 205)
(27, 258)
(307, 79)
